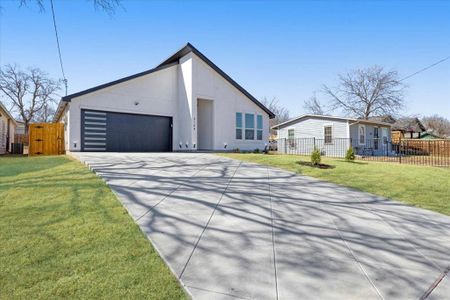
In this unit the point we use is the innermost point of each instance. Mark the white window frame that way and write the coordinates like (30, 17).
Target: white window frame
(332, 131)
(291, 129)
(359, 134)
(257, 129)
(245, 126)
(385, 134)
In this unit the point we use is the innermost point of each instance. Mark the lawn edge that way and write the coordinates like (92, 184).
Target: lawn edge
(158, 251)
(339, 185)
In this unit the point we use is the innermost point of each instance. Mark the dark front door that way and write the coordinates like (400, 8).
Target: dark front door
(123, 132)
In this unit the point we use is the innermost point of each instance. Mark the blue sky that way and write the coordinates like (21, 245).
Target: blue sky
(273, 49)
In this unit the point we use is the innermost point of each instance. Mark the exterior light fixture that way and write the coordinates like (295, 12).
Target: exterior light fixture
(225, 145)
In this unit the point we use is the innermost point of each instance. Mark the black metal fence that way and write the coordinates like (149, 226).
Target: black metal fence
(408, 151)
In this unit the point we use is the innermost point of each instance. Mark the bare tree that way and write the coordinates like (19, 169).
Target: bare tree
(281, 113)
(437, 125)
(369, 92)
(27, 92)
(313, 106)
(109, 6)
(46, 114)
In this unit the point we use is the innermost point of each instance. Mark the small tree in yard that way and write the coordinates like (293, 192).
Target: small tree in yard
(350, 154)
(315, 157)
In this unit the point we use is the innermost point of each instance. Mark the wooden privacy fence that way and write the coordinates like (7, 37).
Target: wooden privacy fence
(46, 139)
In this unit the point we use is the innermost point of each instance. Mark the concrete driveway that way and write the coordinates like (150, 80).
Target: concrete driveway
(238, 230)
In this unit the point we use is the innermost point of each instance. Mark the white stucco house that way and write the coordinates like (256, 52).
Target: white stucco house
(186, 103)
(7, 129)
(333, 135)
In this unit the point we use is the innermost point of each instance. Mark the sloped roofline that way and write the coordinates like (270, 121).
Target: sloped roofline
(7, 113)
(171, 61)
(352, 120)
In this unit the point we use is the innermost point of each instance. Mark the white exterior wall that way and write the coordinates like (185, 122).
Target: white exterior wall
(184, 140)
(313, 128)
(173, 92)
(309, 133)
(155, 92)
(227, 100)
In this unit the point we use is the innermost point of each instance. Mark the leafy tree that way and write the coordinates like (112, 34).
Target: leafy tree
(350, 154)
(316, 157)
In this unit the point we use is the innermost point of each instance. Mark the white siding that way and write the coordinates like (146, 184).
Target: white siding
(4, 119)
(313, 128)
(309, 134)
(3, 133)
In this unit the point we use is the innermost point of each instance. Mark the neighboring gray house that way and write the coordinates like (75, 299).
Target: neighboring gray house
(333, 135)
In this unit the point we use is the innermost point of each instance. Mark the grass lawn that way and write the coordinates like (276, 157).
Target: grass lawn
(64, 234)
(426, 187)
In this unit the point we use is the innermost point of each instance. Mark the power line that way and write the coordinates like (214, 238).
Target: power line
(57, 44)
(426, 68)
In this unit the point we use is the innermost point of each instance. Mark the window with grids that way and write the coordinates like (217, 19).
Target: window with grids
(239, 126)
(291, 137)
(385, 135)
(259, 127)
(328, 134)
(291, 134)
(249, 126)
(362, 134)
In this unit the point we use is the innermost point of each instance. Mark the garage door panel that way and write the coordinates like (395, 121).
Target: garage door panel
(93, 130)
(122, 132)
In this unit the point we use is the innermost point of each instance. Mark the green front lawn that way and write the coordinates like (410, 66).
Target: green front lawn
(426, 187)
(63, 234)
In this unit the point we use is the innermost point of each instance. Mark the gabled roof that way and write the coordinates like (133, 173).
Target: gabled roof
(409, 124)
(189, 48)
(7, 113)
(323, 117)
(171, 61)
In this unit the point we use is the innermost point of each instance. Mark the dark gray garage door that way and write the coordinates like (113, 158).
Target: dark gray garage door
(121, 132)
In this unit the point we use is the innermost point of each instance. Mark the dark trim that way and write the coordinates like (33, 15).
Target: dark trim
(171, 61)
(189, 48)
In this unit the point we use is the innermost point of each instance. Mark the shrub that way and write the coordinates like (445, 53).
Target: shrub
(315, 157)
(256, 150)
(350, 154)
(236, 150)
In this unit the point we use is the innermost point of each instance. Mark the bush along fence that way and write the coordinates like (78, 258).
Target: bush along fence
(408, 151)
